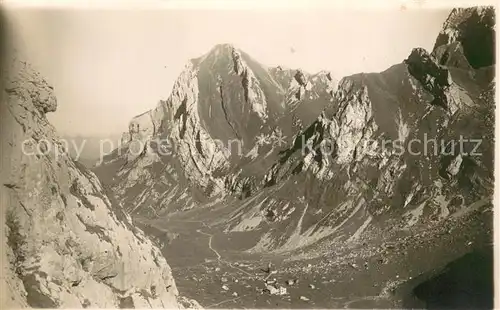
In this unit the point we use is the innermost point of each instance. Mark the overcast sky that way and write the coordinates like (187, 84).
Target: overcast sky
(109, 65)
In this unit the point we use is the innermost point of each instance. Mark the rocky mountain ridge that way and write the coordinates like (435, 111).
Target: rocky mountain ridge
(340, 180)
(333, 178)
(223, 105)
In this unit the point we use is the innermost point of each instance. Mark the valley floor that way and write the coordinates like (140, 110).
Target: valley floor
(212, 267)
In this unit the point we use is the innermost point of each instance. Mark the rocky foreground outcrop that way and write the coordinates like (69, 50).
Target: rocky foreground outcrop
(64, 242)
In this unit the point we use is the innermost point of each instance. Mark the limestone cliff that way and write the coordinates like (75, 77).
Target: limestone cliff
(471, 30)
(387, 150)
(222, 106)
(65, 243)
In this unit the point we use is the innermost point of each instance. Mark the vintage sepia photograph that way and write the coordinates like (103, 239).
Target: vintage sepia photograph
(208, 156)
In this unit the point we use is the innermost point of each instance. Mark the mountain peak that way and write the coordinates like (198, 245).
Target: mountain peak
(218, 51)
(223, 46)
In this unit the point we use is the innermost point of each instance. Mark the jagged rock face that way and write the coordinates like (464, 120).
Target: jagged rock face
(338, 180)
(474, 30)
(237, 92)
(300, 78)
(436, 80)
(355, 172)
(146, 125)
(66, 244)
(341, 155)
(452, 55)
(41, 95)
(207, 131)
(305, 93)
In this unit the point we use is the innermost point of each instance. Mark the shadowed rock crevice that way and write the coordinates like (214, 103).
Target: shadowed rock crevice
(225, 111)
(474, 29)
(465, 283)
